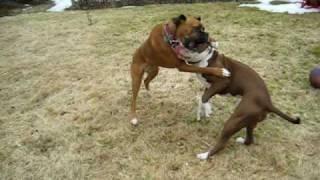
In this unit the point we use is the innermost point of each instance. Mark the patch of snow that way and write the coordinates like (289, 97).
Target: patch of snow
(60, 5)
(294, 7)
(127, 7)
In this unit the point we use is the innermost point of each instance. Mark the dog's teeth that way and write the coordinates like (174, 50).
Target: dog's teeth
(203, 156)
(240, 140)
(134, 121)
(225, 72)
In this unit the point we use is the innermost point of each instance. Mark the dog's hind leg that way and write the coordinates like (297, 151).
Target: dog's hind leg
(237, 121)
(249, 137)
(232, 126)
(252, 123)
(137, 71)
(152, 72)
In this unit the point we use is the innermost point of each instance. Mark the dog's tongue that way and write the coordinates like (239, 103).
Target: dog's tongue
(181, 52)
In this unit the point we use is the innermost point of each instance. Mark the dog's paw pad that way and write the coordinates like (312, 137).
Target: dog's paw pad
(203, 156)
(226, 73)
(134, 121)
(240, 140)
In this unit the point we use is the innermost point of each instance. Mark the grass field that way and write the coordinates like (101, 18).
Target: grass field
(65, 91)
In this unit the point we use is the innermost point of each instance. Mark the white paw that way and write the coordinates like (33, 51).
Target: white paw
(204, 109)
(225, 72)
(240, 140)
(203, 156)
(207, 109)
(134, 121)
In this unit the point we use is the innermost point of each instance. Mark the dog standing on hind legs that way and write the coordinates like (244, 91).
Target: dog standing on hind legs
(166, 47)
(244, 81)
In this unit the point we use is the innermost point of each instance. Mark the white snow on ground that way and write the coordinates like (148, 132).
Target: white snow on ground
(294, 7)
(60, 5)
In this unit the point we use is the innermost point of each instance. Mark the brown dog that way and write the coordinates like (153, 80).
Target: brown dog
(253, 107)
(164, 48)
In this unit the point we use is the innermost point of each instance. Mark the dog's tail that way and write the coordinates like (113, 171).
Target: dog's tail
(283, 115)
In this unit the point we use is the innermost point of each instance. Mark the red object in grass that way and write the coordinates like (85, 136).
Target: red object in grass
(311, 4)
(314, 77)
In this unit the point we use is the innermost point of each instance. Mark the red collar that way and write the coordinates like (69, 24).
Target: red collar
(175, 44)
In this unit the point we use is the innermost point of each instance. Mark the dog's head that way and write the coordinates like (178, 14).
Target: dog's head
(191, 32)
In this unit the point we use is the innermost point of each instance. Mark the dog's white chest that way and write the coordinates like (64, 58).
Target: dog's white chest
(204, 56)
(203, 63)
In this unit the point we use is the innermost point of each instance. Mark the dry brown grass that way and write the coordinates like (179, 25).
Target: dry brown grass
(65, 90)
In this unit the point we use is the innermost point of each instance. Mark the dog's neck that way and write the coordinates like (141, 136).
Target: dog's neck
(199, 58)
(175, 44)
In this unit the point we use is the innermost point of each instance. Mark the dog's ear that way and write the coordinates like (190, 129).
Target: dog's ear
(199, 18)
(178, 20)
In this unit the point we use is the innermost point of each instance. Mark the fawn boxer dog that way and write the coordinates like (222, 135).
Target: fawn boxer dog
(165, 47)
(244, 81)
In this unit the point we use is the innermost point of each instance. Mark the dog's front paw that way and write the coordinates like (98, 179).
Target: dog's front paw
(204, 109)
(207, 111)
(226, 72)
(203, 156)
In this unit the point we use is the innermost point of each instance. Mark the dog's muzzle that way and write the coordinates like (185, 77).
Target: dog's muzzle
(192, 43)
